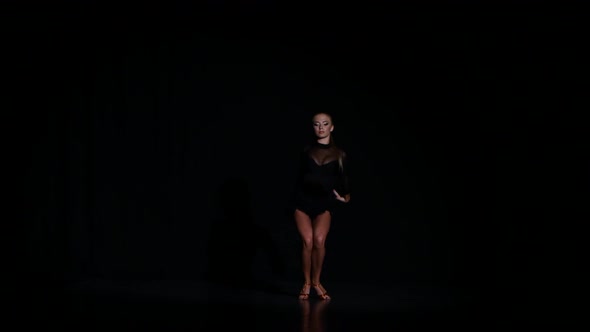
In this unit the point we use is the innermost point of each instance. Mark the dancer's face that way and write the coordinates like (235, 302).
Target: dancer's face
(322, 125)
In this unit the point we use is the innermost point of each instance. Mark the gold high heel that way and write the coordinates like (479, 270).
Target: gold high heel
(324, 295)
(302, 295)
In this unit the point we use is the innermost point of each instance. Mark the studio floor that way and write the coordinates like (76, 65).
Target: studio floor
(174, 305)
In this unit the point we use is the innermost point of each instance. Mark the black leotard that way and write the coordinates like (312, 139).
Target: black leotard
(323, 168)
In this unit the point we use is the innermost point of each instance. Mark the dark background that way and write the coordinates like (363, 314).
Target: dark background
(160, 141)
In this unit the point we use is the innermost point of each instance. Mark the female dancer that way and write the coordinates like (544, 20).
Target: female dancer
(322, 183)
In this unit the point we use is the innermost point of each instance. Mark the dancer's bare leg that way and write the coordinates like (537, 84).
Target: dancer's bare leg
(304, 226)
(321, 227)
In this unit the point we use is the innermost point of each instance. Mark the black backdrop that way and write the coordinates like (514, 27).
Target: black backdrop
(160, 141)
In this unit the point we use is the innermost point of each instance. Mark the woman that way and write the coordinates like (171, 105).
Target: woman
(322, 184)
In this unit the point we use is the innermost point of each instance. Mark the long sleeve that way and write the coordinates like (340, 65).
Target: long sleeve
(344, 176)
(301, 168)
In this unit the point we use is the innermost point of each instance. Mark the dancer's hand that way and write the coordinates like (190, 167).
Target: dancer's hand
(340, 198)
